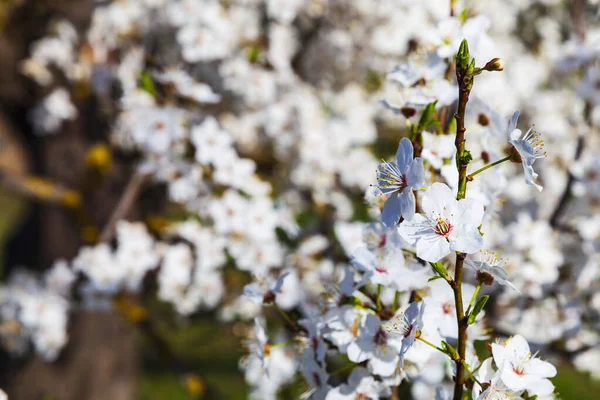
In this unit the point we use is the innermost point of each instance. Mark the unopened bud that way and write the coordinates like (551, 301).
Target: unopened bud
(463, 56)
(485, 156)
(494, 64)
(483, 119)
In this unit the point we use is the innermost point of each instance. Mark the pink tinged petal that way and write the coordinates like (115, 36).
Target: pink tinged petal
(407, 204)
(512, 380)
(540, 368)
(466, 239)
(433, 248)
(404, 155)
(391, 210)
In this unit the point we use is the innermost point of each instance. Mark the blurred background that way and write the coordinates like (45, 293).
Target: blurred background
(66, 176)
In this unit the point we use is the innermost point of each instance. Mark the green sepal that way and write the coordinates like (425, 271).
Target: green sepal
(449, 350)
(477, 309)
(427, 118)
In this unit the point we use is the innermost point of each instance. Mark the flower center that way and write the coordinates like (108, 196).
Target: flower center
(443, 227)
(390, 178)
(519, 370)
(401, 325)
(382, 240)
(380, 337)
(381, 270)
(447, 308)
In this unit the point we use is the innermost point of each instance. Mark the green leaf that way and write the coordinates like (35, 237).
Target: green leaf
(439, 268)
(433, 278)
(147, 84)
(477, 309)
(428, 117)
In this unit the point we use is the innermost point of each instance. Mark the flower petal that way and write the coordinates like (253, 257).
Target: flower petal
(404, 154)
(407, 204)
(415, 175)
(391, 210)
(466, 239)
(433, 250)
(513, 122)
(413, 229)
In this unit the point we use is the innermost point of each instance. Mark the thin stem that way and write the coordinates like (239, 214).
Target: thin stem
(473, 298)
(282, 344)
(470, 374)
(395, 302)
(414, 253)
(428, 343)
(378, 301)
(127, 201)
(566, 195)
(285, 316)
(452, 6)
(480, 170)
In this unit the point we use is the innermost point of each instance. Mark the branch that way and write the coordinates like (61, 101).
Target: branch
(128, 199)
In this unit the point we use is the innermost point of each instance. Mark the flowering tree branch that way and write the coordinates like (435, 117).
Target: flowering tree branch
(464, 75)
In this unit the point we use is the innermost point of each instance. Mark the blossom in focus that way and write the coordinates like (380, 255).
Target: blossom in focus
(398, 180)
(446, 225)
(520, 369)
(529, 147)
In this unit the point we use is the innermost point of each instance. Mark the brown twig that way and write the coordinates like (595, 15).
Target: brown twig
(578, 17)
(129, 197)
(566, 195)
(41, 189)
(464, 80)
